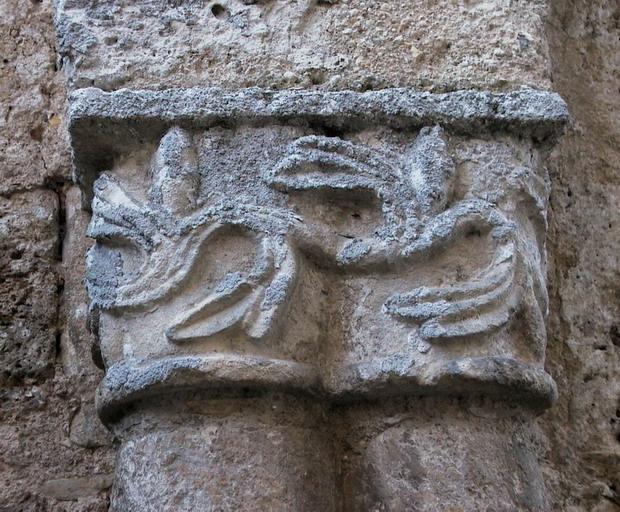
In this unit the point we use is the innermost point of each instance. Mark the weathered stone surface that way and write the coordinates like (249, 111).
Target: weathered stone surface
(35, 448)
(86, 429)
(256, 453)
(28, 285)
(430, 455)
(33, 143)
(365, 255)
(332, 45)
(77, 343)
(274, 241)
(70, 489)
(38, 401)
(342, 44)
(103, 124)
(465, 110)
(582, 458)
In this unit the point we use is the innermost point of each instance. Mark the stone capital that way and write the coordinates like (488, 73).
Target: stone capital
(342, 245)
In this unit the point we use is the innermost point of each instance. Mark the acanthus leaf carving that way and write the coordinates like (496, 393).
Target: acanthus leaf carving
(469, 308)
(413, 191)
(250, 301)
(416, 218)
(171, 232)
(175, 175)
(431, 170)
(417, 222)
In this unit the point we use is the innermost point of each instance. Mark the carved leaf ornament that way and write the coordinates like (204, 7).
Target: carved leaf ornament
(172, 229)
(414, 191)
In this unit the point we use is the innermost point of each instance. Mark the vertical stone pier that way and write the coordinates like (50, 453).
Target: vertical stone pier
(326, 291)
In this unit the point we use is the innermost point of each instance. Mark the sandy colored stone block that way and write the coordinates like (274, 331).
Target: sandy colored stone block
(28, 284)
(33, 144)
(582, 453)
(342, 44)
(72, 489)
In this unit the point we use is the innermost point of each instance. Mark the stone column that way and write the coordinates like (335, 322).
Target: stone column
(319, 300)
(319, 293)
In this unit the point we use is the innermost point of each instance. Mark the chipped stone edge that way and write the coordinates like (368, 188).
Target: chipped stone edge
(525, 107)
(103, 124)
(499, 377)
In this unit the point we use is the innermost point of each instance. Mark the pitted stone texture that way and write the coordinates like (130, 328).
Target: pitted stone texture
(583, 451)
(103, 125)
(33, 145)
(336, 44)
(429, 455)
(78, 346)
(341, 247)
(276, 452)
(42, 468)
(44, 427)
(523, 110)
(29, 285)
(252, 454)
(364, 254)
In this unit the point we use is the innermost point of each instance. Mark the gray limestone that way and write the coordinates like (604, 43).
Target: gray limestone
(333, 249)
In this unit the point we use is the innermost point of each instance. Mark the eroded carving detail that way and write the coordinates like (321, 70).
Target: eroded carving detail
(347, 244)
(155, 258)
(267, 263)
(414, 192)
(169, 232)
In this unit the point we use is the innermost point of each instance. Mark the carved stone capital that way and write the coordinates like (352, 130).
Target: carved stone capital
(278, 277)
(344, 245)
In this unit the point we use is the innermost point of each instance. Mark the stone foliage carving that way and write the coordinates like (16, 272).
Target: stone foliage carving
(171, 231)
(352, 245)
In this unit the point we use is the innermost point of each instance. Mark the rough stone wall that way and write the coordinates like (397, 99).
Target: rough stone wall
(583, 355)
(53, 454)
(52, 448)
